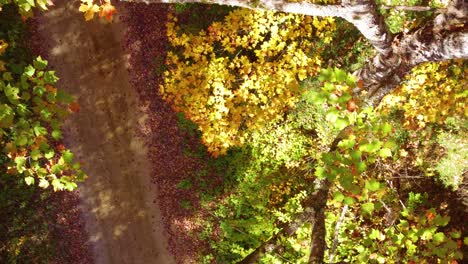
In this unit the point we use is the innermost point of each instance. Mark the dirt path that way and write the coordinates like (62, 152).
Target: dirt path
(122, 218)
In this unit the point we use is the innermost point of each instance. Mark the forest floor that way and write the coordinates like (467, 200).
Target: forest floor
(124, 134)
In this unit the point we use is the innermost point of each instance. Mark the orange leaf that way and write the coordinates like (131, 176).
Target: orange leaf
(107, 11)
(74, 107)
(351, 105)
(60, 147)
(360, 84)
(430, 216)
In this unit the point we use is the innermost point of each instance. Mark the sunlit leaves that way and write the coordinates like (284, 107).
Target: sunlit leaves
(90, 8)
(431, 93)
(25, 7)
(31, 110)
(225, 79)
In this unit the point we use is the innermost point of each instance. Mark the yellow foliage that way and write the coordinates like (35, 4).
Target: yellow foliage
(242, 73)
(431, 93)
(3, 46)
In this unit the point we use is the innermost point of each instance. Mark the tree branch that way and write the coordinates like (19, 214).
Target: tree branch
(337, 232)
(361, 13)
(288, 229)
(411, 8)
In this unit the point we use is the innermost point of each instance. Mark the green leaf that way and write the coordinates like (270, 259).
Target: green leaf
(68, 156)
(20, 162)
(50, 78)
(320, 172)
(441, 220)
(338, 196)
(390, 144)
(325, 75)
(372, 185)
(56, 134)
(341, 123)
(368, 208)
(39, 63)
(29, 71)
(332, 116)
(347, 143)
(349, 200)
(43, 183)
(356, 155)
(36, 154)
(49, 154)
(346, 181)
(438, 238)
(70, 186)
(465, 241)
(455, 234)
(29, 180)
(7, 76)
(39, 130)
(57, 168)
(361, 166)
(386, 128)
(64, 97)
(57, 185)
(22, 110)
(12, 94)
(340, 75)
(385, 153)
(21, 140)
(371, 147)
(6, 116)
(374, 234)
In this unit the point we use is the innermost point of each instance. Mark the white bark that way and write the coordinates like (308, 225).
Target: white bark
(361, 13)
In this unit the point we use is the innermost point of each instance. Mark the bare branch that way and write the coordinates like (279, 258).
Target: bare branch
(412, 8)
(337, 232)
(361, 13)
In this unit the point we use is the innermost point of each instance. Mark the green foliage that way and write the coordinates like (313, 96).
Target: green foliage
(267, 177)
(455, 162)
(31, 110)
(24, 233)
(25, 7)
(415, 236)
(404, 21)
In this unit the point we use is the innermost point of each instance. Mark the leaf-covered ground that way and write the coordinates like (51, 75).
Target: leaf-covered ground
(120, 205)
(146, 42)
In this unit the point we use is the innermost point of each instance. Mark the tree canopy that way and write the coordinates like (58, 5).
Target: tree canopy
(333, 124)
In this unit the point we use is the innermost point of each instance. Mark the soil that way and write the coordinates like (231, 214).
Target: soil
(109, 135)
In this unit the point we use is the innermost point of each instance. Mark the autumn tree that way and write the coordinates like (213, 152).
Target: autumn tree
(356, 148)
(364, 139)
(351, 169)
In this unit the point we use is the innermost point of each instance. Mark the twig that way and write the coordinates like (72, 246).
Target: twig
(412, 8)
(337, 231)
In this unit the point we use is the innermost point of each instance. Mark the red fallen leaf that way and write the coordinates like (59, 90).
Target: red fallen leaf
(430, 216)
(351, 105)
(60, 147)
(74, 107)
(107, 11)
(360, 84)
(459, 243)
